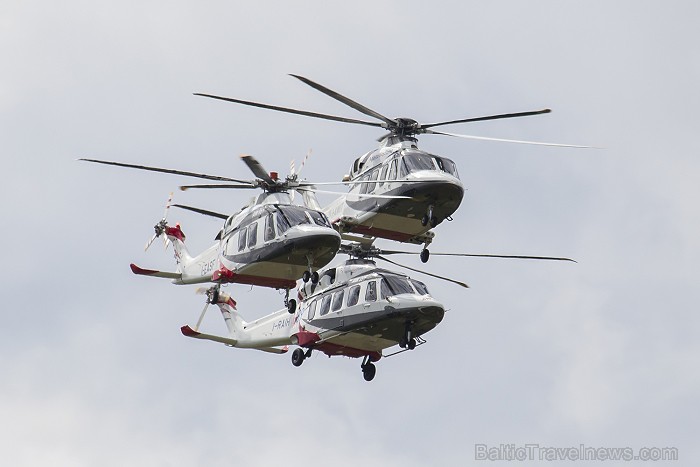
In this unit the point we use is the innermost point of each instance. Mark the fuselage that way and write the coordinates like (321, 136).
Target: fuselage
(271, 243)
(358, 309)
(431, 182)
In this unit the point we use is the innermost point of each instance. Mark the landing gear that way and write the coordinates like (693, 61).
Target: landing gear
(408, 341)
(298, 357)
(291, 304)
(368, 369)
(424, 255)
(313, 276)
(429, 218)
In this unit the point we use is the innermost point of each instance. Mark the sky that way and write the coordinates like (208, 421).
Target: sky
(601, 353)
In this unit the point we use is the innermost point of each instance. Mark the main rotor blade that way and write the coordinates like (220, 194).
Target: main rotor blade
(352, 194)
(424, 272)
(291, 111)
(349, 102)
(257, 168)
(202, 211)
(167, 171)
(545, 258)
(187, 187)
(490, 117)
(483, 138)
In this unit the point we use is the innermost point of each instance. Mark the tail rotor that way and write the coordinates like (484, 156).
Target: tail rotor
(161, 225)
(212, 294)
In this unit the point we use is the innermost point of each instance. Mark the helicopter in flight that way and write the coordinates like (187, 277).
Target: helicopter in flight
(356, 310)
(271, 242)
(422, 189)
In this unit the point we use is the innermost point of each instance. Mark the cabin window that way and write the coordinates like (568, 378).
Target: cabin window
(420, 287)
(282, 223)
(396, 286)
(338, 300)
(382, 177)
(252, 234)
(241, 239)
(311, 310)
(269, 227)
(373, 177)
(364, 186)
(353, 295)
(392, 169)
(371, 293)
(325, 305)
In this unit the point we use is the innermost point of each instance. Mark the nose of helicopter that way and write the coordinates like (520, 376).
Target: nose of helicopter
(320, 239)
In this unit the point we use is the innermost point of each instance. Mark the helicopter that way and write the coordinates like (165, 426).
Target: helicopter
(428, 186)
(271, 242)
(355, 310)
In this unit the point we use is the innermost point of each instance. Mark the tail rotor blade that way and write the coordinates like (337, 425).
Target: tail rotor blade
(201, 316)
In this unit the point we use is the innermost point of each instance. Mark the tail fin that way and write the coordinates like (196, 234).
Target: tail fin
(177, 238)
(234, 321)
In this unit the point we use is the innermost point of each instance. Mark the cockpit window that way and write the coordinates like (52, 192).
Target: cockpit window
(319, 218)
(282, 223)
(418, 162)
(396, 286)
(420, 287)
(294, 215)
(447, 165)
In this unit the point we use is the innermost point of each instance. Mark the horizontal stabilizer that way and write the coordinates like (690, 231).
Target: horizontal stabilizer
(189, 332)
(150, 272)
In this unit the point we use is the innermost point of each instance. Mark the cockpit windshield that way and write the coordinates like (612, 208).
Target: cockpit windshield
(414, 161)
(292, 215)
(418, 162)
(394, 285)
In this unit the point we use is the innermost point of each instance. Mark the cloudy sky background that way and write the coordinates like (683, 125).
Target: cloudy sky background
(602, 353)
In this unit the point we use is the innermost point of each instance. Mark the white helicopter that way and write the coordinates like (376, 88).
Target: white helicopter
(355, 310)
(423, 189)
(271, 242)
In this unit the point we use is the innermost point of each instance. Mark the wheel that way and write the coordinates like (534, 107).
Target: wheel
(214, 297)
(434, 222)
(368, 371)
(411, 344)
(298, 357)
(306, 276)
(314, 278)
(424, 255)
(292, 306)
(424, 220)
(402, 343)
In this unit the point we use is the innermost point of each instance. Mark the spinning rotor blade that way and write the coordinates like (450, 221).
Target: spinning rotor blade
(544, 258)
(489, 117)
(161, 224)
(291, 111)
(187, 187)
(349, 102)
(257, 168)
(424, 272)
(353, 194)
(483, 138)
(168, 171)
(202, 211)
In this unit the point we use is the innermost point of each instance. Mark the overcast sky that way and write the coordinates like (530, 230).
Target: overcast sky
(603, 353)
